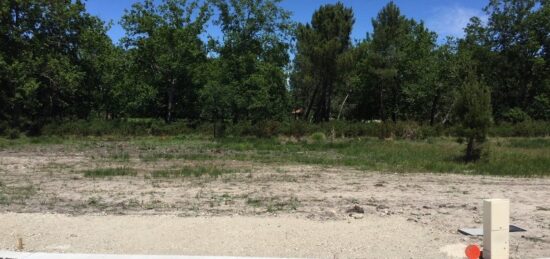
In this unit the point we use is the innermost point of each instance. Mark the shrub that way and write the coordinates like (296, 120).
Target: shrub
(473, 110)
(524, 129)
(134, 127)
(110, 172)
(318, 137)
(407, 130)
(516, 115)
(13, 133)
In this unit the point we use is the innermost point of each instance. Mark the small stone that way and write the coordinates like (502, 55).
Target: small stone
(358, 216)
(356, 209)
(329, 214)
(382, 207)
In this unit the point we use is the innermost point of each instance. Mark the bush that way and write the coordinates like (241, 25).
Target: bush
(318, 137)
(516, 115)
(524, 129)
(135, 127)
(268, 129)
(13, 133)
(4, 126)
(407, 130)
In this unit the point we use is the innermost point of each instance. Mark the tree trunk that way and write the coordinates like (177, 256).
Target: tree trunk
(433, 111)
(342, 106)
(320, 111)
(328, 104)
(312, 100)
(171, 91)
(470, 149)
(381, 100)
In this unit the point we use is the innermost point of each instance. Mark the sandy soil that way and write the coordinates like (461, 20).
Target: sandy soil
(291, 211)
(370, 237)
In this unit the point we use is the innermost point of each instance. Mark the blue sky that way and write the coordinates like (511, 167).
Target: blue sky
(446, 17)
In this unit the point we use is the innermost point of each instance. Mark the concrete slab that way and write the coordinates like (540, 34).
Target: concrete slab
(28, 255)
(479, 231)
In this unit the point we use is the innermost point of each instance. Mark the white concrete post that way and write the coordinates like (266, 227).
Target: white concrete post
(496, 227)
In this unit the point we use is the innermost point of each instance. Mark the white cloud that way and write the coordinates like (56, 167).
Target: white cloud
(451, 20)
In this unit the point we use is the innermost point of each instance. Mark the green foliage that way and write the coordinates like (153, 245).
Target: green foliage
(116, 128)
(164, 42)
(512, 52)
(247, 79)
(60, 74)
(402, 74)
(473, 111)
(540, 109)
(516, 115)
(53, 73)
(320, 60)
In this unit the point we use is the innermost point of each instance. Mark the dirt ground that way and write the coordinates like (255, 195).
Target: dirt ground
(262, 210)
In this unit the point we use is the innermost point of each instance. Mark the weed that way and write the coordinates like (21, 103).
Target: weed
(15, 194)
(254, 202)
(274, 204)
(120, 156)
(318, 137)
(110, 172)
(193, 171)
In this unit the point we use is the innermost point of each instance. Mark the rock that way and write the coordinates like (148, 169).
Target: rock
(356, 209)
(427, 207)
(329, 214)
(444, 212)
(382, 207)
(380, 184)
(357, 216)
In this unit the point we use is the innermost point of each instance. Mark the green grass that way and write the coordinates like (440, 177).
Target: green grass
(110, 172)
(193, 171)
(120, 156)
(530, 143)
(156, 156)
(521, 157)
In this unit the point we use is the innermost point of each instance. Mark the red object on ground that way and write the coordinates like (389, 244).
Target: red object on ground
(473, 252)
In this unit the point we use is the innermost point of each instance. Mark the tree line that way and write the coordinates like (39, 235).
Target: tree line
(57, 63)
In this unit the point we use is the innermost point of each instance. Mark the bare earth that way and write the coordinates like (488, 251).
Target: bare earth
(270, 210)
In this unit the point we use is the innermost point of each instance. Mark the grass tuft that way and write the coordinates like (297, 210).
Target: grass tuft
(193, 171)
(110, 172)
(15, 194)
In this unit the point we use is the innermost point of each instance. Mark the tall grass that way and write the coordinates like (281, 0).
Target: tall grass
(441, 155)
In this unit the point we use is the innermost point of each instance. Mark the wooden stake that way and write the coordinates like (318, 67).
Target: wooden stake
(19, 244)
